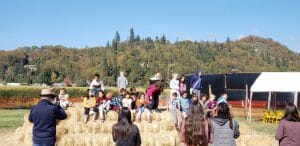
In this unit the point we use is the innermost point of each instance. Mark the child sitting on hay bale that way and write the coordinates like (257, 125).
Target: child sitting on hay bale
(174, 108)
(103, 105)
(126, 102)
(89, 102)
(63, 98)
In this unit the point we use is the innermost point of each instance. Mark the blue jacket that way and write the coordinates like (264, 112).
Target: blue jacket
(195, 79)
(44, 116)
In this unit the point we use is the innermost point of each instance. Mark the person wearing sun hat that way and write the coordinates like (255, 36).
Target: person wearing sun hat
(44, 116)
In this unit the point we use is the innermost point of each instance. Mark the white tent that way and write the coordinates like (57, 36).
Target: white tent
(276, 82)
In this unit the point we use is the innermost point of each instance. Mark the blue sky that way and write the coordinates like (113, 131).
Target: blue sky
(80, 23)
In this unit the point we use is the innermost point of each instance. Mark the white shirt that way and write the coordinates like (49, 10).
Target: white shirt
(97, 83)
(126, 102)
(174, 84)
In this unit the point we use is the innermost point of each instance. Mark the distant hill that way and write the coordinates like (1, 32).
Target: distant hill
(142, 58)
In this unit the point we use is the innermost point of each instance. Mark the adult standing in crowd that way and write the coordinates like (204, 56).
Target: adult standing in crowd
(226, 129)
(96, 85)
(125, 133)
(152, 97)
(195, 83)
(288, 131)
(44, 116)
(122, 81)
(157, 77)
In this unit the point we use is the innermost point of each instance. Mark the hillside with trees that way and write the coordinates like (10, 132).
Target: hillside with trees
(141, 58)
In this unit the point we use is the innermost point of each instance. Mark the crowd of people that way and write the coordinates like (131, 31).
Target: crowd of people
(200, 119)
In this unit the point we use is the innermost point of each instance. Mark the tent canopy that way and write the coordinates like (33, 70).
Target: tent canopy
(277, 82)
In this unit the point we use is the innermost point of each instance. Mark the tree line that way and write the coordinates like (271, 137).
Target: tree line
(141, 58)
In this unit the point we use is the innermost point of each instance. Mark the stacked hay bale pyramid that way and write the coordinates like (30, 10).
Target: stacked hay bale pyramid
(73, 132)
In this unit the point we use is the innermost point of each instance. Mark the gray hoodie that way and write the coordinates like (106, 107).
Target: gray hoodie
(223, 134)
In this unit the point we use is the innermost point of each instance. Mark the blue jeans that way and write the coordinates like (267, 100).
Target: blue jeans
(44, 144)
(96, 92)
(186, 110)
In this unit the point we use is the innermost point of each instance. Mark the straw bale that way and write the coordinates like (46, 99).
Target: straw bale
(166, 116)
(28, 139)
(144, 116)
(78, 128)
(61, 130)
(153, 127)
(156, 116)
(88, 141)
(97, 140)
(167, 126)
(96, 128)
(20, 134)
(106, 127)
(112, 116)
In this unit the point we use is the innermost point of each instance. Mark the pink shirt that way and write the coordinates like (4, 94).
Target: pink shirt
(288, 133)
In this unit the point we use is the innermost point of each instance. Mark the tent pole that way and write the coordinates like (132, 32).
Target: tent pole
(269, 100)
(246, 97)
(209, 90)
(250, 107)
(296, 99)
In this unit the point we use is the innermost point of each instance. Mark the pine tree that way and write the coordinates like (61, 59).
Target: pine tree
(107, 44)
(138, 38)
(163, 40)
(131, 37)
(117, 37)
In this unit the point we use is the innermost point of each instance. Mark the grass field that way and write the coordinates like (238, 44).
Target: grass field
(10, 120)
(259, 126)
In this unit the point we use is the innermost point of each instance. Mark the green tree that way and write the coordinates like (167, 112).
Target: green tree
(163, 40)
(138, 38)
(131, 37)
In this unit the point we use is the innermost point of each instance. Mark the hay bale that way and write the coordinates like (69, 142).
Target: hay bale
(20, 134)
(166, 116)
(167, 126)
(61, 130)
(106, 127)
(112, 116)
(88, 141)
(28, 139)
(96, 128)
(152, 127)
(156, 116)
(97, 141)
(78, 128)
